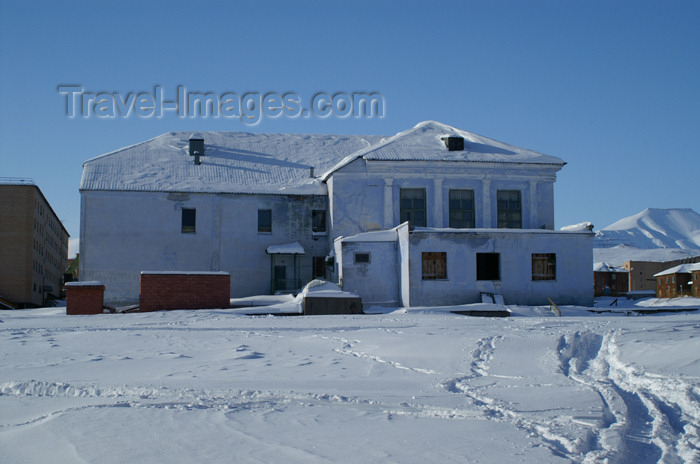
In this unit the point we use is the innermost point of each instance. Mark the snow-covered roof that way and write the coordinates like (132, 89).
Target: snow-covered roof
(605, 267)
(323, 289)
(85, 283)
(234, 162)
(287, 249)
(243, 162)
(680, 269)
(189, 273)
(389, 235)
(424, 142)
(16, 181)
(580, 227)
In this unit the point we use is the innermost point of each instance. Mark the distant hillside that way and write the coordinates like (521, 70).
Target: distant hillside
(655, 234)
(653, 228)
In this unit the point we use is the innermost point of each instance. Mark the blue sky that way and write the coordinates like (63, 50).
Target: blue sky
(612, 87)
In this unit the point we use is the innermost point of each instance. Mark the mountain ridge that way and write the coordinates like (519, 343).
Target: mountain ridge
(652, 228)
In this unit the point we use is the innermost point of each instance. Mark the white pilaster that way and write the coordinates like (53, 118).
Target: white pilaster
(388, 203)
(437, 205)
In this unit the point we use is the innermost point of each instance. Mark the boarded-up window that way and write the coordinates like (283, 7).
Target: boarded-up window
(434, 265)
(509, 209)
(462, 209)
(264, 220)
(488, 266)
(189, 220)
(413, 207)
(544, 266)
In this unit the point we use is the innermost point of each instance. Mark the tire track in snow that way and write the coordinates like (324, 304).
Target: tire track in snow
(647, 417)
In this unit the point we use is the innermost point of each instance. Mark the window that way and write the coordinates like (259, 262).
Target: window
(189, 220)
(434, 265)
(462, 209)
(509, 209)
(264, 220)
(544, 266)
(318, 221)
(362, 258)
(488, 266)
(413, 207)
(319, 267)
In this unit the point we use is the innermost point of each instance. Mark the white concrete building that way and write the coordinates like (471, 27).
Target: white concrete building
(267, 208)
(433, 267)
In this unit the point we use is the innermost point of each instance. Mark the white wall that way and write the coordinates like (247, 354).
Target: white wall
(364, 195)
(398, 269)
(123, 233)
(574, 257)
(377, 282)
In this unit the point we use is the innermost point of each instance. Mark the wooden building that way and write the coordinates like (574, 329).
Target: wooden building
(610, 280)
(678, 281)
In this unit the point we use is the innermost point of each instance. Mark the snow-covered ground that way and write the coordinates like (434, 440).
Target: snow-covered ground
(416, 386)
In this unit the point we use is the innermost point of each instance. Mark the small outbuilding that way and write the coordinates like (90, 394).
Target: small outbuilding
(610, 280)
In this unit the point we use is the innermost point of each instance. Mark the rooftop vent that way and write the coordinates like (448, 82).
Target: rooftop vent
(197, 148)
(454, 143)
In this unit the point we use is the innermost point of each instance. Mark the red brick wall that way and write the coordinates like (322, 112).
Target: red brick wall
(184, 291)
(84, 299)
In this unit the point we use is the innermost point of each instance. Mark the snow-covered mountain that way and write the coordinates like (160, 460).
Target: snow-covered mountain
(655, 234)
(654, 228)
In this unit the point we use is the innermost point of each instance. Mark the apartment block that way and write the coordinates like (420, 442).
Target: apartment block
(33, 245)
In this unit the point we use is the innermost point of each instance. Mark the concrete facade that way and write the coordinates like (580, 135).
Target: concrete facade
(364, 195)
(401, 263)
(34, 245)
(135, 204)
(124, 233)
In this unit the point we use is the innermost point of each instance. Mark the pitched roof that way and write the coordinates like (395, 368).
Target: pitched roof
(243, 162)
(605, 267)
(680, 269)
(424, 142)
(234, 162)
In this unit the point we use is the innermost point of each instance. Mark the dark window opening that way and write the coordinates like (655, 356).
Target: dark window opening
(319, 267)
(509, 210)
(318, 221)
(462, 209)
(189, 220)
(412, 202)
(264, 220)
(362, 258)
(488, 266)
(434, 265)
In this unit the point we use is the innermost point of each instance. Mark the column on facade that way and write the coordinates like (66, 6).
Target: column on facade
(388, 203)
(533, 205)
(486, 204)
(437, 204)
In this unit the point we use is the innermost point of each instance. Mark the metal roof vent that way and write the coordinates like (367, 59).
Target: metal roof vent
(454, 143)
(197, 147)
